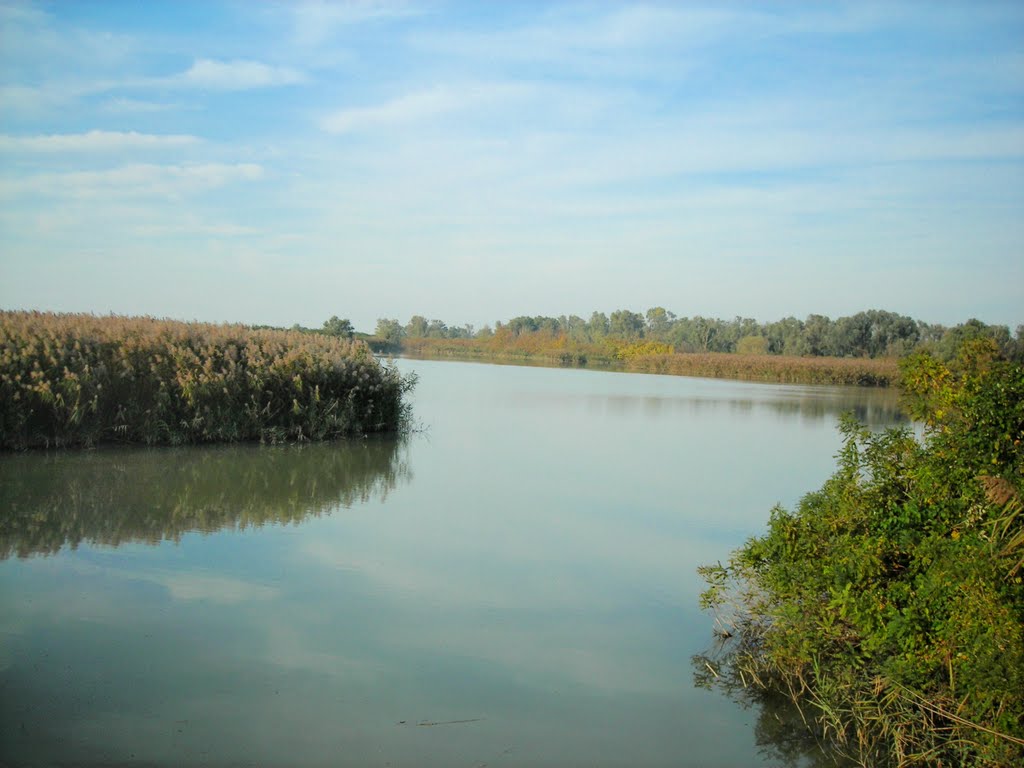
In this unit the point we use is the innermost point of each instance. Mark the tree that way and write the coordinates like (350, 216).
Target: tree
(659, 322)
(338, 327)
(437, 329)
(786, 337)
(389, 331)
(598, 326)
(818, 335)
(626, 325)
(417, 327)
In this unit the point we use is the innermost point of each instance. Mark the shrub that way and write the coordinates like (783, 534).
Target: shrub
(889, 605)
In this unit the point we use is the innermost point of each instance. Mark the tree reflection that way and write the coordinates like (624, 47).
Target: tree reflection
(116, 496)
(781, 733)
(871, 407)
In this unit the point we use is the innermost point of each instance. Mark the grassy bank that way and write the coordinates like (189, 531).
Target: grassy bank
(652, 357)
(81, 380)
(890, 605)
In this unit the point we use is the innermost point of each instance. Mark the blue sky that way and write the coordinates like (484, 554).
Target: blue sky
(285, 162)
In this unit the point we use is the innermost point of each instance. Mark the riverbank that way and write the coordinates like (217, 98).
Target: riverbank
(81, 380)
(889, 605)
(656, 358)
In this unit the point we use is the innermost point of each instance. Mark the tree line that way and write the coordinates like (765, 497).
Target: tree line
(871, 333)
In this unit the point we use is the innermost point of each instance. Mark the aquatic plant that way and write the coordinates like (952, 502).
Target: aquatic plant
(76, 379)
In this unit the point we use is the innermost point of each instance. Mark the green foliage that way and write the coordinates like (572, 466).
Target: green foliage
(82, 380)
(890, 603)
(872, 334)
(390, 332)
(338, 327)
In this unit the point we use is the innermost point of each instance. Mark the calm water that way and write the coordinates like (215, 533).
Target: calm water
(512, 586)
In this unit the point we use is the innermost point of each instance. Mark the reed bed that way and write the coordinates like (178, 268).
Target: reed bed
(855, 371)
(780, 369)
(80, 380)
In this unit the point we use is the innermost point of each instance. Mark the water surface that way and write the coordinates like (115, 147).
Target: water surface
(512, 586)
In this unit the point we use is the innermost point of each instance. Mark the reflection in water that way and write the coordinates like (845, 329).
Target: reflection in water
(117, 496)
(781, 731)
(871, 407)
(532, 591)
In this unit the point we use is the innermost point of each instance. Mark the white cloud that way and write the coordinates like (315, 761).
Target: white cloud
(421, 105)
(315, 22)
(26, 99)
(123, 106)
(236, 75)
(625, 40)
(93, 141)
(137, 180)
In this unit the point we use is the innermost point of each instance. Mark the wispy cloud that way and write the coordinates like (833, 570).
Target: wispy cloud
(140, 106)
(421, 105)
(136, 180)
(235, 75)
(33, 100)
(625, 40)
(315, 22)
(94, 141)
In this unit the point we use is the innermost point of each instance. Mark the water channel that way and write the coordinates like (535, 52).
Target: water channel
(512, 585)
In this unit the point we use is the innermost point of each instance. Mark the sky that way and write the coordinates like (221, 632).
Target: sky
(284, 162)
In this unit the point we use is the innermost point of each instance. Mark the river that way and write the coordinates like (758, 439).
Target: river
(513, 584)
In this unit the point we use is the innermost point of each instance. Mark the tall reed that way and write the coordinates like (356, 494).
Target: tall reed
(76, 379)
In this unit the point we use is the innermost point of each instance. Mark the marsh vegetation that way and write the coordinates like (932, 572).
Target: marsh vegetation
(82, 380)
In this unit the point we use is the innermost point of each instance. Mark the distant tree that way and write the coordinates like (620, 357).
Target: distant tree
(549, 325)
(853, 335)
(390, 331)
(953, 338)
(521, 325)
(437, 330)
(731, 332)
(786, 337)
(576, 327)
(627, 325)
(338, 327)
(659, 322)
(704, 329)
(598, 326)
(416, 328)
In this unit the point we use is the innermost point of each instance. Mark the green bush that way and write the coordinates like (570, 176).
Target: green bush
(889, 605)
